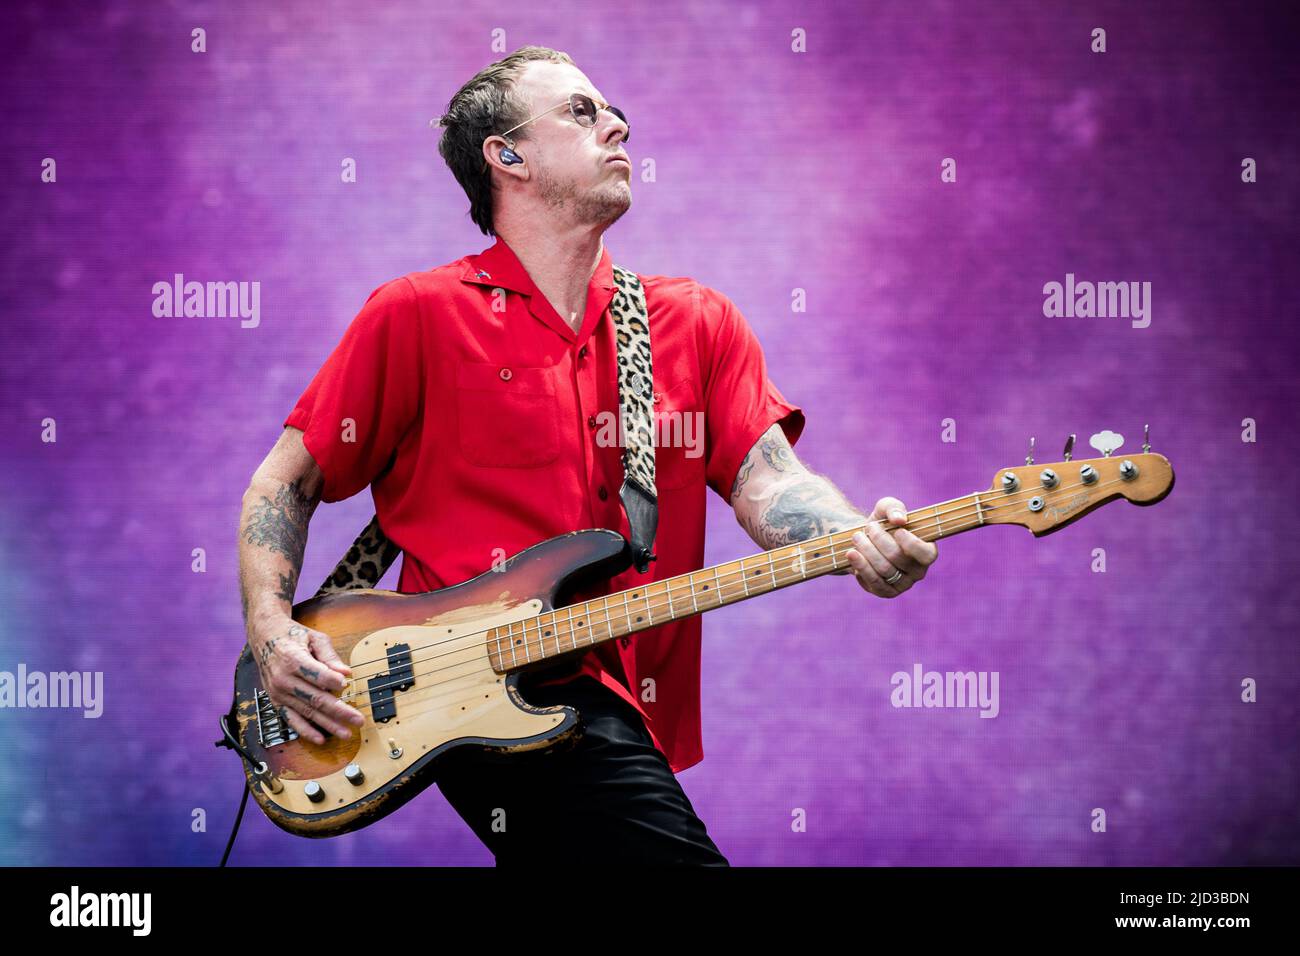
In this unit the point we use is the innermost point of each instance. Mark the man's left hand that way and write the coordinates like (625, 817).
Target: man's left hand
(886, 552)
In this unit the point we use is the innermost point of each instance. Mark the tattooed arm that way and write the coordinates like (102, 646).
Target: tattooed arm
(778, 501)
(298, 665)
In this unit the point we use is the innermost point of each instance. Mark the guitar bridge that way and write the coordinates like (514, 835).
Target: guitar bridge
(272, 727)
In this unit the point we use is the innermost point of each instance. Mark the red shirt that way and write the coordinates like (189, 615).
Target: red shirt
(475, 423)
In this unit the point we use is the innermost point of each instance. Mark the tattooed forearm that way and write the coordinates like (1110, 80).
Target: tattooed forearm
(798, 510)
(281, 525)
(778, 501)
(272, 541)
(773, 450)
(288, 585)
(777, 453)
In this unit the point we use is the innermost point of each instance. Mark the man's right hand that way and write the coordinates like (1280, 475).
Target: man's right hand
(302, 672)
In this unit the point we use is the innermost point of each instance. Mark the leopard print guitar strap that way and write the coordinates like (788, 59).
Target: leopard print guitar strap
(371, 555)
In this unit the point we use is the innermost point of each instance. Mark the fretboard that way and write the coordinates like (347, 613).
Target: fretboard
(587, 623)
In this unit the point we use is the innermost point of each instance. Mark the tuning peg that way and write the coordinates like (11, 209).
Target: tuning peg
(1106, 442)
(1069, 448)
(1146, 438)
(1029, 459)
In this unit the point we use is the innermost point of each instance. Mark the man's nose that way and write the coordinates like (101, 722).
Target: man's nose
(615, 126)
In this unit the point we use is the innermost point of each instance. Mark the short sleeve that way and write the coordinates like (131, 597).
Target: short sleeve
(366, 396)
(741, 402)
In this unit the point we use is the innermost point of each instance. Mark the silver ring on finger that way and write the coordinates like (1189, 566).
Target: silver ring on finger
(894, 578)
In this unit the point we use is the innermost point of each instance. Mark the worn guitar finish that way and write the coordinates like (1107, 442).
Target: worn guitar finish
(442, 669)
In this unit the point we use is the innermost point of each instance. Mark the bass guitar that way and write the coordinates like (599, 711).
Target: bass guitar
(440, 670)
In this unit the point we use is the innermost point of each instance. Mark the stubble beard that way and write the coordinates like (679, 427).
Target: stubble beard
(604, 204)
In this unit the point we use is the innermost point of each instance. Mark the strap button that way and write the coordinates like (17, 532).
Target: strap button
(505, 374)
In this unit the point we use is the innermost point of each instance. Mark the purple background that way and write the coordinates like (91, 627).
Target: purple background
(775, 171)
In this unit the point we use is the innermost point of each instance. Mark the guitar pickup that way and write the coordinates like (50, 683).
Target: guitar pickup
(399, 666)
(382, 687)
(382, 706)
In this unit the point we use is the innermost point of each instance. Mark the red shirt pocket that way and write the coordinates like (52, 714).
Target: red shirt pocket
(506, 415)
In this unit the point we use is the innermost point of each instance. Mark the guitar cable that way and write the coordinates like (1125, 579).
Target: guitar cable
(231, 742)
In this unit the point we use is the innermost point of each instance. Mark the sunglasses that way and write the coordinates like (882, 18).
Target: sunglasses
(584, 110)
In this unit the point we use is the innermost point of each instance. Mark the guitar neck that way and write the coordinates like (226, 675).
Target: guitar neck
(611, 616)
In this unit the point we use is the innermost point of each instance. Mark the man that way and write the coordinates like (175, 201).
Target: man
(467, 397)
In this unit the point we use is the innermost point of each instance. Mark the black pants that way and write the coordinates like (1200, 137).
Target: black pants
(608, 798)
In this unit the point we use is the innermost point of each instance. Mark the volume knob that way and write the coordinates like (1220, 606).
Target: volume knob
(354, 774)
(315, 792)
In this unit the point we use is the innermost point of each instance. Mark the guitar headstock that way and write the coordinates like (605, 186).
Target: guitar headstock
(1045, 497)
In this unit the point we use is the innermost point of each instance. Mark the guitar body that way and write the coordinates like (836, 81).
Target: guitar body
(415, 715)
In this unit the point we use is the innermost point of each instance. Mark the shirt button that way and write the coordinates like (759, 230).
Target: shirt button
(505, 374)
(582, 352)
(603, 494)
(658, 395)
(591, 420)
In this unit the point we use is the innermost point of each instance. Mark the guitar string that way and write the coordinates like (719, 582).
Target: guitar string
(475, 661)
(683, 585)
(413, 708)
(934, 515)
(540, 639)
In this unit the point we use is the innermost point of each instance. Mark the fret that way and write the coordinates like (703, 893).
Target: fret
(938, 522)
(979, 510)
(691, 581)
(527, 659)
(609, 621)
(573, 633)
(649, 607)
(541, 639)
(743, 583)
(585, 607)
(803, 572)
(717, 586)
(771, 567)
(541, 634)
(668, 589)
(627, 614)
